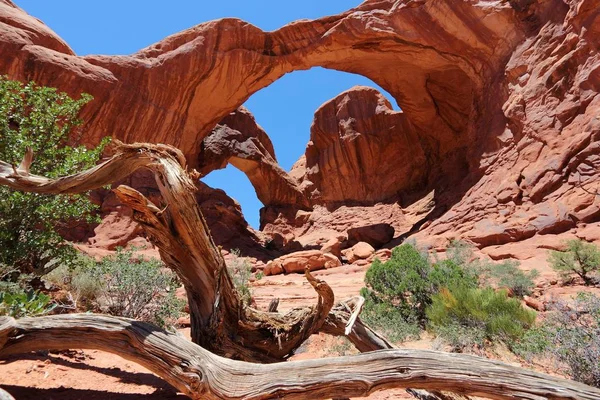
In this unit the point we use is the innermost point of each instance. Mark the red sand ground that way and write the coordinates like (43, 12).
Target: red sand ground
(94, 374)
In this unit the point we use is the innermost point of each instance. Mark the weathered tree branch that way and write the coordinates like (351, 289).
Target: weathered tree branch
(222, 324)
(200, 374)
(219, 321)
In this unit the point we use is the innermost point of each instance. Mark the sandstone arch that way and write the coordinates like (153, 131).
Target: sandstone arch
(435, 70)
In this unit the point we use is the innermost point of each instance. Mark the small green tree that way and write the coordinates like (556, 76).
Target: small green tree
(407, 281)
(484, 313)
(507, 274)
(46, 121)
(580, 258)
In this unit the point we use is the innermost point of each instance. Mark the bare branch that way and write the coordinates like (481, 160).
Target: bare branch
(201, 374)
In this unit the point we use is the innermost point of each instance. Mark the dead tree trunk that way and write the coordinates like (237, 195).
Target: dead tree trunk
(201, 374)
(222, 325)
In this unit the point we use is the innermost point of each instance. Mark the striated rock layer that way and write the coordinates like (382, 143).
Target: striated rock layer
(497, 141)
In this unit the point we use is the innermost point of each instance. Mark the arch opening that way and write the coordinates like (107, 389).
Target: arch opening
(276, 130)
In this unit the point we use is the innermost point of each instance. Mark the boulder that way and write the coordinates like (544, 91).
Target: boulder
(362, 250)
(299, 261)
(534, 303)
(334, 246)
(376, 235)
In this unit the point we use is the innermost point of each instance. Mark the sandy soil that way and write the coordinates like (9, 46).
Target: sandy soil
(93, 374)
(98, 375)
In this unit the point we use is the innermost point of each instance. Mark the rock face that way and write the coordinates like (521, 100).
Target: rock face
(436, 70)
(240, 141)
(223, 215)
(361, 151)
(297, 262)
(498, 139)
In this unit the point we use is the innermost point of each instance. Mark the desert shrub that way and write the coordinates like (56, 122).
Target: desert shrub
(492, 312)
(461, 338)
(30, 303)
(388, 320)
(580, 258)
(508, 275)
(534, 342)
(572, 332)
(46, 121)
(79, 280)
(460, 253)
(132, 287)
(240, 271)
(341, 347)
(505, 274)
(407, 281)
(12, 280)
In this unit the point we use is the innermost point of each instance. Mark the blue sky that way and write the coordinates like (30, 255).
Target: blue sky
(284, 109)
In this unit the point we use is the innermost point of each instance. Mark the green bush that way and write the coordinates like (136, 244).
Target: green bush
(84, 288)
(461, 338)
(580, 258)
(508, 275)
(240, 271)
(572, 334)
(25, 304)
(492, 312)
(388, 320)
(130, 286)
(46, 121)
(407, 281)
(534, 342)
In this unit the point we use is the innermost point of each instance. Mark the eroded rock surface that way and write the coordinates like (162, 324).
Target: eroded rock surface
(497, 141)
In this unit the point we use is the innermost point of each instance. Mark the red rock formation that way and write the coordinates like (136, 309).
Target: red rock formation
(297, 262)
(500, 103)
(361, 151)
(435, 58)
(541, 173)
(240, 141)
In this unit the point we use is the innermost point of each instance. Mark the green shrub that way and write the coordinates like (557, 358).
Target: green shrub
(132, 287)
(79, 280)
(508, 275)
(461, 338)
(407, 281)
(46, 121)
(492, 312)
(240, 271)
(25, 304)
(573, 336)
(580, 258)
(534, 342)
(388, 320)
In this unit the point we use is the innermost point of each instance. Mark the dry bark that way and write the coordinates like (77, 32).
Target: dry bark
(201, 374)
(222, 325)
(219, 321)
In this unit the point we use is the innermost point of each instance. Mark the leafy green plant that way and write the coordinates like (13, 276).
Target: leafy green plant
(492, 312)
(46, 121)
(388, 320)
(133, 287)
(259, 275)
(580, 258)
(508, 275)
(25, 304)
(407, 281)
(240, 271)
(572, 337)
(533, 343)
